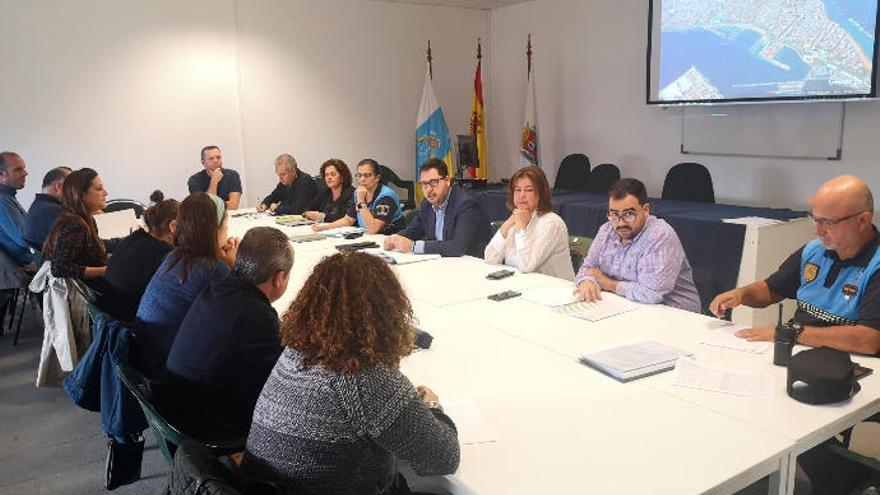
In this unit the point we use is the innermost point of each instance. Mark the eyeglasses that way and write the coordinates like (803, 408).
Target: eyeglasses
(432, 183)
(626, 215)
(365, 175)
(831, 222)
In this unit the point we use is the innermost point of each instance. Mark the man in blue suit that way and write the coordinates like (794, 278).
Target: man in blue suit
(450, 222)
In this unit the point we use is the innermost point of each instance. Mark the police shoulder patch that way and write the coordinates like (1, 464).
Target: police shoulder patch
(811, 271)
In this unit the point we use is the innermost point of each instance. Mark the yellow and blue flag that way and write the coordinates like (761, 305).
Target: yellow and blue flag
(432, 134)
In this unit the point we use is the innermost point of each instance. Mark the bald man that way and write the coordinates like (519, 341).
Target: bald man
(834, 278)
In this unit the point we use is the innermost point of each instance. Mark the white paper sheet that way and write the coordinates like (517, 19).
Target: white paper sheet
(469, 420)
(598, 310)
(692, 374)
(340, 231)
(753, 221)
(725, 337)
(551, 296)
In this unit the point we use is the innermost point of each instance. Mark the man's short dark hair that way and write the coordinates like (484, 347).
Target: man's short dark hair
(206, 148)
(57, 174)
(629, 187)
(263, 252)
(436, 164)
(372, 163)
(5, 158)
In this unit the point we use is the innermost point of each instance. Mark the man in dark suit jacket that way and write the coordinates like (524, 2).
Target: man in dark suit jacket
(450, 222)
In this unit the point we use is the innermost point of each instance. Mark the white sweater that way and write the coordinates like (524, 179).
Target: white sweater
(542, 247)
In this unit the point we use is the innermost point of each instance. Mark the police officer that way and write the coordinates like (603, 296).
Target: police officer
(834, 278)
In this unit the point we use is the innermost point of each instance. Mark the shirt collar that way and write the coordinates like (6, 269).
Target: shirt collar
(441, 206)
(7, 190)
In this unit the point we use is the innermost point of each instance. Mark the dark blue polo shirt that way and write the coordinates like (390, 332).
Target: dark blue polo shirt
(230, 183)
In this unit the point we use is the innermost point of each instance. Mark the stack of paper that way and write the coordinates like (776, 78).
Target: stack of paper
(395, 258)
(341, 231)
(629, 361)
(691, 374)
(292, 220)
(598, 310)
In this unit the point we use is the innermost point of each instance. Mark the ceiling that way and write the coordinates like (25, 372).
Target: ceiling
(467, 4)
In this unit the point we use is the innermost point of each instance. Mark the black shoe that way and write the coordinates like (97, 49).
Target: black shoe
(123, 462)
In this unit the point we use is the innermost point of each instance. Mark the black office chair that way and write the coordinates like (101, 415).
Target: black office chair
(394, 181)
(602, 177)
(689, 182)
(125, 204)
(573, 173)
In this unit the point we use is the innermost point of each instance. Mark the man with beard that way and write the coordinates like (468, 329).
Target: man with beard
(636, 255)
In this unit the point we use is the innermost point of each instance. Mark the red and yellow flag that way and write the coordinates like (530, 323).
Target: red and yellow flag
(478, 126)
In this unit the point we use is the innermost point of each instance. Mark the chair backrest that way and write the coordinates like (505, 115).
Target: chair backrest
(578, 247)
(602, 177)
(573, 173)
(125, 204)
(392, 180)
(494, 226)
(196, 470)
(689, 182)
(167, 436)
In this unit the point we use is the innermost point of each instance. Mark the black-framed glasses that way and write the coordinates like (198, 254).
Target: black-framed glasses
(625, 215)
(432, 183)
(831, 222)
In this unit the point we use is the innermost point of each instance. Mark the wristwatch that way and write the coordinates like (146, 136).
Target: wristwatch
(361, 206)
(798, 330)
(434, 405)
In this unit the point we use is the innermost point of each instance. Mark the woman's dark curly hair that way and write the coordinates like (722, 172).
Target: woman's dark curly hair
(351, 314)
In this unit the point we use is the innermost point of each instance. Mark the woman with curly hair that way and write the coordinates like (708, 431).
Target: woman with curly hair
(336, 412)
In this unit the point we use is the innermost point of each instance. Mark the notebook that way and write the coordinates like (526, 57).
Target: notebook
(633, 360)
(395, 258)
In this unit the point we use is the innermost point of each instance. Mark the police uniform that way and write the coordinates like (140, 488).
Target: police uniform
(831, 291)
(385, 206)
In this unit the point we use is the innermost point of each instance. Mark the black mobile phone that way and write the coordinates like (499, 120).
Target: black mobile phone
(860, 371)
(352, 235)
(501, 296)
(499, 274)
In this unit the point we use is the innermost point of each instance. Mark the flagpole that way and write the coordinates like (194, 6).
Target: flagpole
(529, 55)
(430, 61)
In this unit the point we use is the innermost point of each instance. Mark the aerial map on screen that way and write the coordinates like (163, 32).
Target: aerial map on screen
(736, 49)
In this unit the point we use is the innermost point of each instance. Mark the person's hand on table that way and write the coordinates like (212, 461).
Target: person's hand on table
(317, 227)
(588, 291)
(315, 216)
(273, 207)
(398, 243)
(757, 334)
(725, 301)
(261, 207)
(605, 282)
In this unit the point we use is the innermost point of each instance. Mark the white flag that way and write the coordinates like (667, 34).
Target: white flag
(529, 151)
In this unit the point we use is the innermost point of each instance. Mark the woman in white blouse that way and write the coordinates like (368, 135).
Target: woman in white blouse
(533, 239)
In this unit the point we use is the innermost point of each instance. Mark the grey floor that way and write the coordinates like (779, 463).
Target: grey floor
(47, 444)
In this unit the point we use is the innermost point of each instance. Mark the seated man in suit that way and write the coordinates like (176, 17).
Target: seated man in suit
(294, 192)
(215, 179)
(229, 342)
(45, 208)
(450, 222)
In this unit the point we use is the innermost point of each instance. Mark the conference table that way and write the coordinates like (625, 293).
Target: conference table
(556, 426)
(715, 247)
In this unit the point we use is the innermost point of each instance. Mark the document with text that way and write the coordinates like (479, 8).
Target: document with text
(692, 374)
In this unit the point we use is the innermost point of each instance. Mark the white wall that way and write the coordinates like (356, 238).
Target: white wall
(131, 90)
(135, 89)
(343, 79)
(590, 75)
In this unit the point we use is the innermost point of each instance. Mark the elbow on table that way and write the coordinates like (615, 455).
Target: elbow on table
(446, 464)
